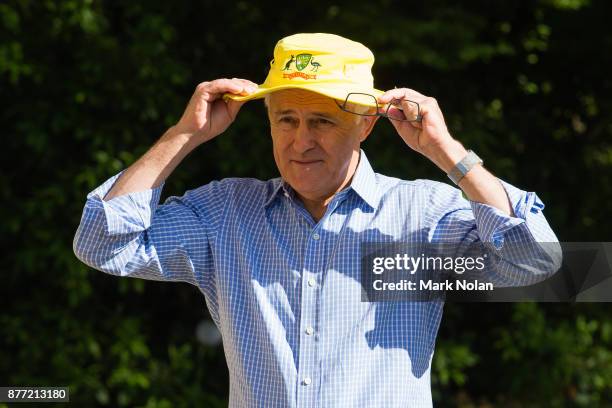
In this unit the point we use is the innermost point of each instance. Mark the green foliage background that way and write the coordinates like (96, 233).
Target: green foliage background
(88, 86)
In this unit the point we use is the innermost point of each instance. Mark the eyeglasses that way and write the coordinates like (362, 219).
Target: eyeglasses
(357, 103)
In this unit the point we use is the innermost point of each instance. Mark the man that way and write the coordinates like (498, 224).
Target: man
(279, 261)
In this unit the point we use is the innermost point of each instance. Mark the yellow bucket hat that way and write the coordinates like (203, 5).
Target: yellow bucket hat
(324, 63)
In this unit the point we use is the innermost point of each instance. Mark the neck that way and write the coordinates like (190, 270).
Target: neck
(316, 208)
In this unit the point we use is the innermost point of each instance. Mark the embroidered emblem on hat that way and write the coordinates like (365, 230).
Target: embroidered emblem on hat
(299, 75)
(315, 65)
(302, 61)
(288, 63)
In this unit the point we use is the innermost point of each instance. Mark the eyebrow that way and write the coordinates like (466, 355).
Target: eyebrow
(289, 111)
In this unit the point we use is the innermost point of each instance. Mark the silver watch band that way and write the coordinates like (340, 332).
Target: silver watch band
(466, 164)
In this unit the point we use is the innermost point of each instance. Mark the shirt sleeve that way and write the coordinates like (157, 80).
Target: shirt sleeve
(133, 235)
(521, 249)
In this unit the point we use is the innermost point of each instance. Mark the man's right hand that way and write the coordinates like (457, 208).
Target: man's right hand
(207, 114)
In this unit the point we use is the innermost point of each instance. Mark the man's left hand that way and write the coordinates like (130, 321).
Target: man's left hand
(430, 137)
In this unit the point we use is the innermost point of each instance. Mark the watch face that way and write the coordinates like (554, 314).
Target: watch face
(464, 166)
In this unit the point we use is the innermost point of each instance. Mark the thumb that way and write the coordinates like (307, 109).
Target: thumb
(233, 107)
(398, 125)
(406, 130)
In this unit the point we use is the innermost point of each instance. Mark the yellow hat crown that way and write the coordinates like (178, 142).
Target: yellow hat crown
(324, 63)
(321, 58)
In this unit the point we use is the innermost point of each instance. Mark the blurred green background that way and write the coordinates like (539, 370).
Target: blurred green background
(88, 86)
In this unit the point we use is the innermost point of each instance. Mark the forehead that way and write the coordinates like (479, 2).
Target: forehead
(302, 100)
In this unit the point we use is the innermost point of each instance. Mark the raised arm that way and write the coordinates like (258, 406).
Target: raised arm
(207, 115)
(499, 219)
(124, 231)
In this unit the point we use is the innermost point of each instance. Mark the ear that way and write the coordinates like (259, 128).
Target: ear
(368, 125)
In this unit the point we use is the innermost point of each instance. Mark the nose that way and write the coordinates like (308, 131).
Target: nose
(304, 139)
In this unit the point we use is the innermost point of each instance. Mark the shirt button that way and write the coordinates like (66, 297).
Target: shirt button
(312, 282)
(309, 331)
(316, 236)
(306, 381)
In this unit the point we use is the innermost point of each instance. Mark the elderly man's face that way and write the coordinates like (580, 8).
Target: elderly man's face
(316, 144)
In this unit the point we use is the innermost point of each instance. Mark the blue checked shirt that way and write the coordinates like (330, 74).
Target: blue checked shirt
(285, 290)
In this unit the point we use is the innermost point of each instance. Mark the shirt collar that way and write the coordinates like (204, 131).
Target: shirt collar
(280, 186)
(363, 184)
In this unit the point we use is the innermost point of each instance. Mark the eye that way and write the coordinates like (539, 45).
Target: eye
(323, 123)
(287, 120)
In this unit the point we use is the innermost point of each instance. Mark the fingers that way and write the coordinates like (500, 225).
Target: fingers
(214, 89)
(405, 109)
(401, 93)
(403, 98)
(249, 86)
(233, 107)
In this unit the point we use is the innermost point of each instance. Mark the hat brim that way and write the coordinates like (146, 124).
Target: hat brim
(340, 93)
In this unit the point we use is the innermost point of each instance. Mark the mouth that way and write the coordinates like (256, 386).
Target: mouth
(306, 162)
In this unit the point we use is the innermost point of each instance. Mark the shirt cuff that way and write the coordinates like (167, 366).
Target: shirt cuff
(493, 224)
(126, 213)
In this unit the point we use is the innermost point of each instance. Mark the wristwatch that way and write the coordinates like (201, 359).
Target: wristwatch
(464, 166)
